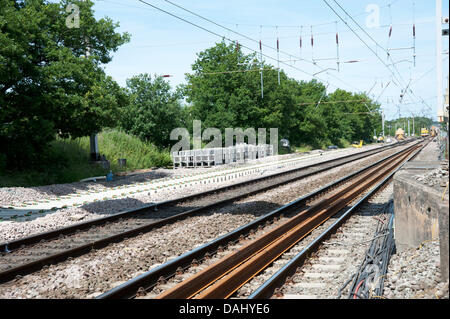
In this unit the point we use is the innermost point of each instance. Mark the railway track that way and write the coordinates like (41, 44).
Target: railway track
(29, 254)
(324, 271)
(223, 271)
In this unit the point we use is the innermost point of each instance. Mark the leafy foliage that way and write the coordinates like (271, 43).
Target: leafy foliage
(419, 123)
(48, 85)
(72, 159)
(153, 111)
(225, 91)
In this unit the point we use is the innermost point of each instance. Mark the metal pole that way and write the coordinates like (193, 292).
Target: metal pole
(382, 122)
(95, 153)
(439, 85)
(409, 132)
(278, 60)
(337, 47)
(262, 66)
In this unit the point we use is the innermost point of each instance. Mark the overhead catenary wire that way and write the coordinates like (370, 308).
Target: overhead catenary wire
(390, 31)
(414, 32)
(302, 58)
(228, 29)
(256, 41)
(262, 64)
(297, 26)
(210, 31)
(238, 71)
(399, 79)
(278, 57)
(230, 40)
(337, 47)
(357, 35)
(389, 55)
(323, 95)
(334, 102)
(426, 73)
(312, 45)
(365, 32)
(430, 21)
(301, 41)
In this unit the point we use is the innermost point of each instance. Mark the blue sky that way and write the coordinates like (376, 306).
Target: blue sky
(161, 44)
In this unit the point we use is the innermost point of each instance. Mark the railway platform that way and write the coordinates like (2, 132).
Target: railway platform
(421, 204)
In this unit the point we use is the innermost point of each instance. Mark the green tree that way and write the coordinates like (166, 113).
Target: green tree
(353, 116)
(402, 122)
(224, 90)
(310, 125)
(48, 85)
(154, 109)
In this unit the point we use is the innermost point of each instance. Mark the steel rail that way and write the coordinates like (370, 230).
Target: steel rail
(269, 287)
(223, 278)
(53, 234)
(37, 264)
(149, 279)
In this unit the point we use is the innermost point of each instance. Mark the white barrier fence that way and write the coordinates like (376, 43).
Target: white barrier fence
(208, 157)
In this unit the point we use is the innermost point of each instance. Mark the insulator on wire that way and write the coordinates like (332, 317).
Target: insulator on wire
(262, 67)
(312, 46)
(388, 50)
(301, 44)
(414, 44)
(337, 51)
(278, 60)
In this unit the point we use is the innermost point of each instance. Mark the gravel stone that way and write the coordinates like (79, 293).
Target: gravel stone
(415, 274)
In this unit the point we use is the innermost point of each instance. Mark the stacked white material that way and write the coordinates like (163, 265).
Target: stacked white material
(217, 156)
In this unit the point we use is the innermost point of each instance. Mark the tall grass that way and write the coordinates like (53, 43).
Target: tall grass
(69, 160)
(117, 144)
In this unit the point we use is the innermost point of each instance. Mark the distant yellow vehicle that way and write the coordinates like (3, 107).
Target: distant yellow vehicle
(400, 134)
(358, 145)
(424, 132)
(433, 131)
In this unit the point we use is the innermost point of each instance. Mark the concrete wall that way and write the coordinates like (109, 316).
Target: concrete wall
(420, 213)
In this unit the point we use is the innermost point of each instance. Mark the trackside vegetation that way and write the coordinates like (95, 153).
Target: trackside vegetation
(70, 160)
(54, 93)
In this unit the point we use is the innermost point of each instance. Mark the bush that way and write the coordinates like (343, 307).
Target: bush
(67, 160)
(116, 144)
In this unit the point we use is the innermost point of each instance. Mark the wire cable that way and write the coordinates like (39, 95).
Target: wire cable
(399, 79)
(230, 40)
(387, 51)
(264, 45)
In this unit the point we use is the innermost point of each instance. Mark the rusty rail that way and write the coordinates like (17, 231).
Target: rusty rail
(147, 280)
(68, 230)
(31, 266)
(223, 278)
(269, 287)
